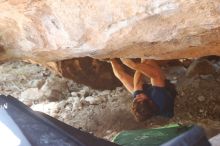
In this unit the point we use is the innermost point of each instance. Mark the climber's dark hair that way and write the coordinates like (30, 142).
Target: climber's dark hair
(143, 110)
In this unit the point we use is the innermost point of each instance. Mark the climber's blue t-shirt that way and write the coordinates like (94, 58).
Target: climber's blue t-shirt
(162, 98)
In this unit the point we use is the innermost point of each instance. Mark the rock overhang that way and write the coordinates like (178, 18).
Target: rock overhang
(58, 30)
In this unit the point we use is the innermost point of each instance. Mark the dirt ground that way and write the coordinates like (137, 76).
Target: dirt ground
(105, 113)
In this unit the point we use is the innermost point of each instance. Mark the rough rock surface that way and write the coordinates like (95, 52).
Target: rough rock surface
(91, 72)
(55, 30)
(200, 67)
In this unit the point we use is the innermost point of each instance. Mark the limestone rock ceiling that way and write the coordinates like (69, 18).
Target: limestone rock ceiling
(48, 30)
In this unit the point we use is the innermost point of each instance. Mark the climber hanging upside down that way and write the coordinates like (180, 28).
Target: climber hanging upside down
(149, 100)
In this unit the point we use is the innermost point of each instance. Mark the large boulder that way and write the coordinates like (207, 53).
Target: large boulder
(51, 30)
(200, 67)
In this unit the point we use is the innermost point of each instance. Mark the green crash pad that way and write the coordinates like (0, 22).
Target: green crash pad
(150, 137)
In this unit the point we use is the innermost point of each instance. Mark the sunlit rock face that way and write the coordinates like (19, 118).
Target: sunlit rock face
(52, 30)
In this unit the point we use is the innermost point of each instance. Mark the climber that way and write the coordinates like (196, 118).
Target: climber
(149, 100)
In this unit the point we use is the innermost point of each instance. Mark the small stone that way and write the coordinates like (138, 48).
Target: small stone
(81, 93)
(207, 77)
(201, 110)
(86, 94)
(68, 107)
(77, 104)
(95, 93)
(30, 95)
(95, 100)
(92, 100)
(55, 111)
(36, 83)
(84, 102)
(182, 93)
(109, 131)
(86, 88)
(70, 99)
(189, 115)
(74, 94)
(105, 92)
(67, 116)
(53, 95)
(173, 81)
(192, 93)
(54, 88)
(102, 98)
(174, 78)
(54, 114)
(119, 89)
(201, 98)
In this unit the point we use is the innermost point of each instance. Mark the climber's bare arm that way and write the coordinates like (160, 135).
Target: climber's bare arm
(125, 78)
(148, 68)
(138, 81)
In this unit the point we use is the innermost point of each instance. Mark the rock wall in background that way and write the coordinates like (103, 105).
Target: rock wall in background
(51, 30)
(88, 71)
